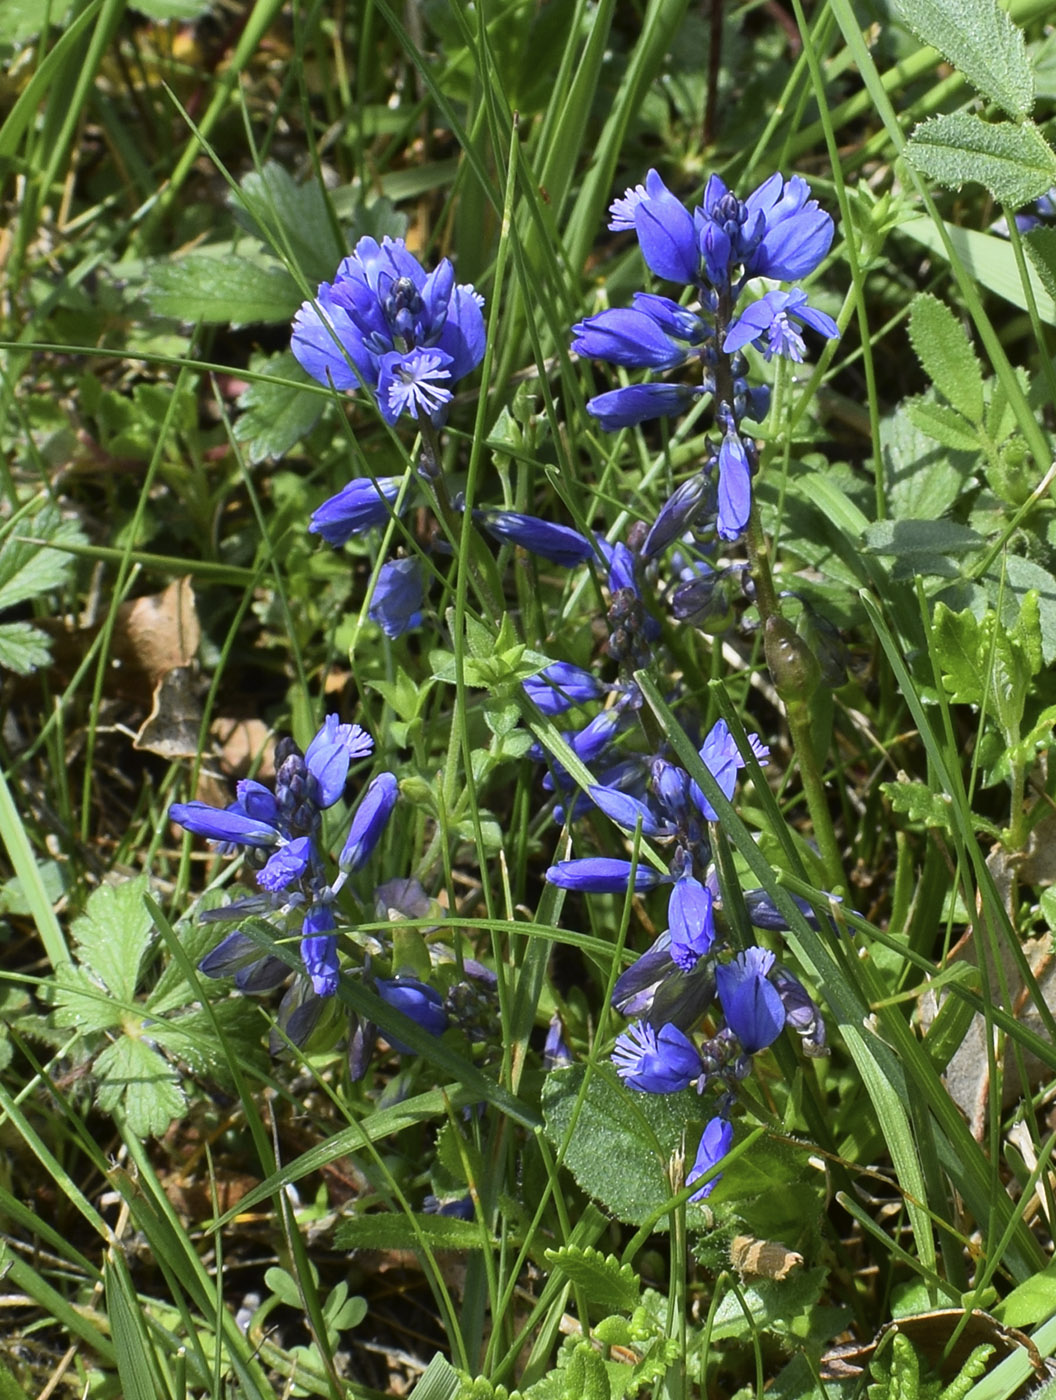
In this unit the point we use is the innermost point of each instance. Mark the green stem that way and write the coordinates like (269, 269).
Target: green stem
(481, 566)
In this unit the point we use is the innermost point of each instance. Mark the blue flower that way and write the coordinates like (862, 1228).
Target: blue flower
(416, 1000)
(764, 913)
(627, 811)
(556, 1053)
(796, 232)
(691, 921)
(362, 504)
(319, 949)
(653, 989)
(721, 758)
(558, 543)
(801, 1012)
(735, 487)
(240, 957)
(656, 1062)
(408, 336)
(287, 864)
(656, 333)
(230, 824)
(715, 1143)
(398, 598)
(751, 1003)
(677, 514)
(369, 821)
(602, 875)
(560, 686)
(637, 403)
(767, 324)
(329, 755)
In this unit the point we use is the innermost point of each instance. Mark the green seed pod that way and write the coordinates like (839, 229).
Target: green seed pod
(793, 666)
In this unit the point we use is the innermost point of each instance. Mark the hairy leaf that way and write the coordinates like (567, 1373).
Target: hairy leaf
(1014, 163)
(947, 357)
(977, 37)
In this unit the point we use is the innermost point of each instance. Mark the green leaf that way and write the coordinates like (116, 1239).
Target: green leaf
(171, 9)
(946, 1033)
(991, 261)
(983, 662)
(943, 424)
(439, 1381)
(918, 802)
(605, 1281)
(391, 1231)
(1010, 580)
(1041, 249)
(276, 415)
(947, 357)
(285, 1287)
(135, 1080)
(769, 1305)
(218, 287)
(585, 1376)
(81, 1002)
(911, 538)
(113, 934)
(978, 38)
(1015, 163)
(623, 1141)
(923, 481)
(1032, 1302)
(293, 220)
(28, 568)
(23, 648)
(20, 20)
(128, 1326)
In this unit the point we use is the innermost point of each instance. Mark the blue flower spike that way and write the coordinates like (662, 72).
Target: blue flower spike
(714, 251)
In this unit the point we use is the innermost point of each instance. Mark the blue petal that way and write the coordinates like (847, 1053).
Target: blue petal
(558, 543)
(735, 488)
(363, 503)
(369, 821)
(602, 875)
(667, 236)
(626, 811)
(396, 603)
(560, 686)
(715, 1143)
(325, 339)
(691, 922)
(627, 337)
(637, 403)
(751, 1003)
(663, 1062)
(222, 825)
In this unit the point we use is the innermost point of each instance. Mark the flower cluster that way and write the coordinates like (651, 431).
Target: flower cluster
(670, 987)
(386, 324)
(778, 233)
(407, 336)
(279, 833)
